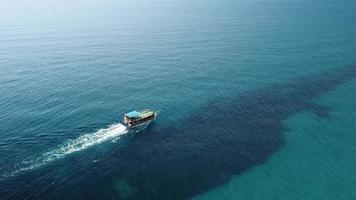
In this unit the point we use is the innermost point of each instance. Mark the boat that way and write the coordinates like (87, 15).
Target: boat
(139, 119)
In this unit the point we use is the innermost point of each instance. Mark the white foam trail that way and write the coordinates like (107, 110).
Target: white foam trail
(83, 142)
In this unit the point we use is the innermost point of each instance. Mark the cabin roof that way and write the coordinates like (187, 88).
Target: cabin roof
(133, 114)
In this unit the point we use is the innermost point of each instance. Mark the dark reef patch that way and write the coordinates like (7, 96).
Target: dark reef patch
(224, 138)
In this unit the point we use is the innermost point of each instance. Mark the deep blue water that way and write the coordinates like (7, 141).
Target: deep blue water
(255, 100)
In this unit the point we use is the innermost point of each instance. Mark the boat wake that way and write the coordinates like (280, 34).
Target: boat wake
(83, 142)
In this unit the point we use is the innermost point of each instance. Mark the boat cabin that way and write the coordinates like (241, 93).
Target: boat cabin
(135, 118)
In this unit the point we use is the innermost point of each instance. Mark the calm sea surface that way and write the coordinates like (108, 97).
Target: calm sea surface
(256, 99)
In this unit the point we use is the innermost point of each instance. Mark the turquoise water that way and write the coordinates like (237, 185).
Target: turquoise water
(318, 158)
(255, 100)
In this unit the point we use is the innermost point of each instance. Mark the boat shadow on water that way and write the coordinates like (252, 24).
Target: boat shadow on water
(203, 151)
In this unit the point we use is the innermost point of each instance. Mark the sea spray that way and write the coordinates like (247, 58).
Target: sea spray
(83, 142)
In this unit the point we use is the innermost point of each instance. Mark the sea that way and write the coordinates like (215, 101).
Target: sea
(255, 99)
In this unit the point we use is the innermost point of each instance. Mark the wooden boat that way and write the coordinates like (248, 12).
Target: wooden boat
(139, 119)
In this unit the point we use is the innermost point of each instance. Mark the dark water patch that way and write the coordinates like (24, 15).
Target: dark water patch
(224, 138)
